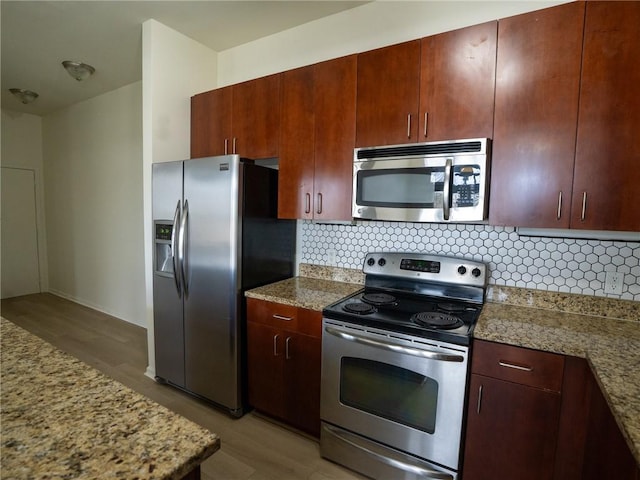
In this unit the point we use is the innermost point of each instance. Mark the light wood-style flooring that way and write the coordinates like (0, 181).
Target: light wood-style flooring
(252, 447)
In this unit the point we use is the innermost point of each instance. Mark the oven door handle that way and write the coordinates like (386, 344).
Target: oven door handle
(417, 352)
(404, 466)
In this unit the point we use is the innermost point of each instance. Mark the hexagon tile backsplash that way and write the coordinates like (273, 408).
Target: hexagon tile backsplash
(553, 264)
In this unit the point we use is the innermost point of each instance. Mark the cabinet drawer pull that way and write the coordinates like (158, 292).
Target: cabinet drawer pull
(559, 214)
(275, 345)
(524, 368)
(409, 126)
(479, 399)
(584, 206)
(233, 149)
(281, 317)
(319, 210)
(226, 146)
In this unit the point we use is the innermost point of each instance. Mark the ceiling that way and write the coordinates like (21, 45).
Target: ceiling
(36, 36)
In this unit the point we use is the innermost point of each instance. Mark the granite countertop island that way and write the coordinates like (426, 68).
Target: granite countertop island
(606, 332)
(63, 419)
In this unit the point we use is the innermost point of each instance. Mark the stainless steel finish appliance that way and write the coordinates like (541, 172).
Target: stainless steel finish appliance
(424, 182)
(395, 363)
(216, 235)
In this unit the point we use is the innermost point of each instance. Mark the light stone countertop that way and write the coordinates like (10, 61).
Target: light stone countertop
(604, 331)
(305, 292)
(60, 418)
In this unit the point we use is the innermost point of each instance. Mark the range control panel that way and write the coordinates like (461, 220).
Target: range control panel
(437, 268)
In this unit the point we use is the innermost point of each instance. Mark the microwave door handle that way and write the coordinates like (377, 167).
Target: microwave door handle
(446, 201)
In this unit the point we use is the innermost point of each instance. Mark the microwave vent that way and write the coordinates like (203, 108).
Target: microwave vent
(420, 149)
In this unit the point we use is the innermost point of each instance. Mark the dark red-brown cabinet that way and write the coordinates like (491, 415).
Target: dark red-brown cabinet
(606, 177)
(283, 362)
(513, 413)
(457, 84)
(317, 141)
(388, 95)
(242, 118)
(211, 123)
(536, 114)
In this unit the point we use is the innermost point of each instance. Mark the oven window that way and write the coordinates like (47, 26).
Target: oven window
(391, 392)
(402, 187)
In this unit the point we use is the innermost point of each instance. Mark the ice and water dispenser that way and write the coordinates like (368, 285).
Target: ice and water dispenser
(163, 253)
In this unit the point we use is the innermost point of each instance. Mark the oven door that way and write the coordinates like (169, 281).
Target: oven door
(423, 189)
(398, 390)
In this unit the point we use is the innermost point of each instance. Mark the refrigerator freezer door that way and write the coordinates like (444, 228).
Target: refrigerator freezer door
(167, 304)
(211, 302)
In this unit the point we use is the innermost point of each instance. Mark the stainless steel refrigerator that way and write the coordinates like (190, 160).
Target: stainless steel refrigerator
(215, 235)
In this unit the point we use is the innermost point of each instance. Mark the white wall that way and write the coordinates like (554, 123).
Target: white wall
(370, 26)
(22, 148)
(93, 200)
(174, 68)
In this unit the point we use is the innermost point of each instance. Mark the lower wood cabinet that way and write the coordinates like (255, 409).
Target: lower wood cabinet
(514, 408)
(606, 454)
(283, 351)
(538, 415)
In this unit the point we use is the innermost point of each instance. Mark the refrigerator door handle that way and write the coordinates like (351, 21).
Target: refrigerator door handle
(184, 247)
(175, 249)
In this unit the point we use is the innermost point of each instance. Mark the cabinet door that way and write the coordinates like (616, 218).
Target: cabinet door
(457, 84)
(265, 353)
(335, 117)
(210, 123)
(295, 181)
(302, 381)
(256, 117)
(606, 454)
(388, 95)
(607, 169)
(511, 431)
(536, 110)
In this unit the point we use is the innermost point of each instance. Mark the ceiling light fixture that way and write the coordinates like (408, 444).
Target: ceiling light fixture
(25, 96)
(79, 71)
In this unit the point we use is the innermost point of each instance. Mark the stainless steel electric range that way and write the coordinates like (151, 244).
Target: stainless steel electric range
(395, 360)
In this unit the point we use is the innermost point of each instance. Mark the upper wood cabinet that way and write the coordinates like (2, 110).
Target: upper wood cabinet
(211, 122)
(567, 118)
(317, 142)
(256, 118)
(437, 88)
(388, 94)
(536, 112)
(457, 84)
(242, 119)
(606, 180)
(296, 164)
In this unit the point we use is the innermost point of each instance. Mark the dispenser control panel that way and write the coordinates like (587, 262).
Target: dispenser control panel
(163, 231)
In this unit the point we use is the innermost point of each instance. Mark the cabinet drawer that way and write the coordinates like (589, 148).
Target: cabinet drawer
(519, 365)
(286, 317)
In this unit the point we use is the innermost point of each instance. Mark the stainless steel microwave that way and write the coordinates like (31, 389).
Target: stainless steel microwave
(423, 182)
